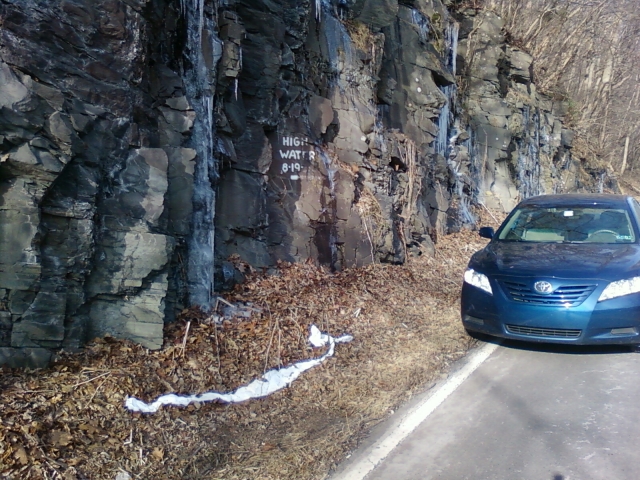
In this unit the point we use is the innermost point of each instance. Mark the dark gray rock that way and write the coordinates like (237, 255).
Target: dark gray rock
(377, 13)
(567, 137)
(321, 115)
(519, 64)
(32, 358)
(139, 150)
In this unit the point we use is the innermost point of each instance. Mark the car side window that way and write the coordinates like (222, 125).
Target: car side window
(636, 211)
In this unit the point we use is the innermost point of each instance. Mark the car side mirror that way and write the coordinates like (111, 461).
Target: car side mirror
(486, 232)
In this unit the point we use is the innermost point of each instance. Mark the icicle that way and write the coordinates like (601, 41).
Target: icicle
(528, 149)
(210, 110)
(451, 43)
(200, 4)
(235, 88)
(448, 126)
(601, 182)
(422, 22)
(318, 10)
(340, 50)
(443, 124)
(197, 81)
(331, 171)
(445, 121)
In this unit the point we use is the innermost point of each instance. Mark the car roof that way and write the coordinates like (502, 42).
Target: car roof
(577, 199)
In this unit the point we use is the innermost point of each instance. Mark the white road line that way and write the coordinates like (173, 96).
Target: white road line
(383, 447)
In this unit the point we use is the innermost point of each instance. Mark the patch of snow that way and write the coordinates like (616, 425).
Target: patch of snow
(271, 382)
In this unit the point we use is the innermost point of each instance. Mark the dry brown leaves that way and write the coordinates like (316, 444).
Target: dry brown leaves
(69, 422)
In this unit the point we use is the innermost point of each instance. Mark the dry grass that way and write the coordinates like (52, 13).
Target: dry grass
(69, 422)
(373, 220)
(360, 34)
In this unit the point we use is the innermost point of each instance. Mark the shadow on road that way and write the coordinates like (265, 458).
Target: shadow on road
(561, 349)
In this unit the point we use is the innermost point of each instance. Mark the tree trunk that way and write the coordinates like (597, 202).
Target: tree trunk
(624, 157)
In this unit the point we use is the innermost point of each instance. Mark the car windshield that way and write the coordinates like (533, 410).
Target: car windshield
(570, 225)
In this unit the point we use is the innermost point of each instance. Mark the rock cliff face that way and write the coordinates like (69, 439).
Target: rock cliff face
(521, 145)
(147, 145)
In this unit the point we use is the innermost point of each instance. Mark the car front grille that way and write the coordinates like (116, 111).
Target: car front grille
(564, 296)
(543, 332)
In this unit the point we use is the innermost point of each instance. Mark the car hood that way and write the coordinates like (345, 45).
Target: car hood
(563, 260)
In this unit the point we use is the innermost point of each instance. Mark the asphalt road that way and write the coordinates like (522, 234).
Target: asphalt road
(543, 413)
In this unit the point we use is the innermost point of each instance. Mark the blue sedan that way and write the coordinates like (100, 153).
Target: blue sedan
(561, 269)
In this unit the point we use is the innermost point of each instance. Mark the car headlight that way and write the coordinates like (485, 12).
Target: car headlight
(478, 280)
(620, 288)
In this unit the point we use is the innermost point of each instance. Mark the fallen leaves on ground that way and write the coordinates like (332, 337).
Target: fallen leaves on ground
(69, 420)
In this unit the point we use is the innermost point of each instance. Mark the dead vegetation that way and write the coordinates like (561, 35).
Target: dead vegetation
(69, 421)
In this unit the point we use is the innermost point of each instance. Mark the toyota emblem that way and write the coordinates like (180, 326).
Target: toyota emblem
(543, 287)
